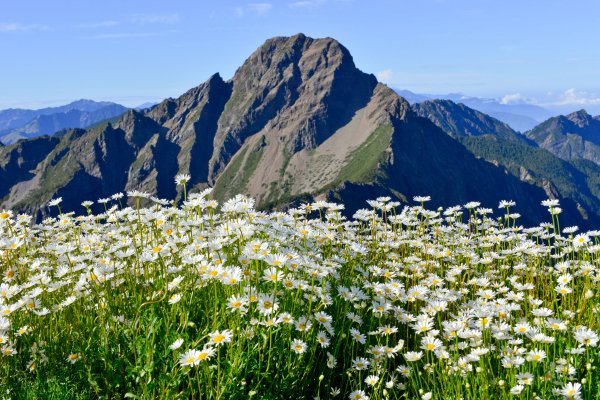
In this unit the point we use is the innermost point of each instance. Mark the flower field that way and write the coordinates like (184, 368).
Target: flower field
(210, 301)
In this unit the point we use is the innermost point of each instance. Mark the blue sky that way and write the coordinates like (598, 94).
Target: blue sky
(133, 51)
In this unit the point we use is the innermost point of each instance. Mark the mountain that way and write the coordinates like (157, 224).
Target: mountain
(145, 105)
(16, 124)
(519, 116)
(297, 121)
(495, 142)
(572, 136)
(458, 120)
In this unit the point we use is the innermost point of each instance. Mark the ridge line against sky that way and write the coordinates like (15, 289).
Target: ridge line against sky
(535, 51)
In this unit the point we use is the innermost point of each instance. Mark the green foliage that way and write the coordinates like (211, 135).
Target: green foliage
(292, 305)
(577, 180)
(361, 164)
(229, 178)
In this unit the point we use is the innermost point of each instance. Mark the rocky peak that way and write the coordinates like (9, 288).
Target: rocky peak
(307, 87)
(580, 118)
(458, 120)
(138, 127)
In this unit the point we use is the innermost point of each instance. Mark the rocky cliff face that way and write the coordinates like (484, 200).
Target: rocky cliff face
(573, 136)
(489, 139)
(297, 121)
(458, 120)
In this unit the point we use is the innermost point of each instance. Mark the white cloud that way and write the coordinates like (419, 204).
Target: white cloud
(514, 98)
(307, 3)
(16, 27)
(157, 18)
(125, 35)
(260, 8)
(101, 24)
(578, 97)
(385, 76)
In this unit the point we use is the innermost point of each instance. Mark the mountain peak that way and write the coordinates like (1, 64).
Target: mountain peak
(286, 49)
(297, 121)
(580, 118)
(314, 80)
(458, 120)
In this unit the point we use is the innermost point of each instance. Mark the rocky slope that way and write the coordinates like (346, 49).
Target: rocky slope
(297, 121)
(572, 136)
(458, 120)
(495, 142)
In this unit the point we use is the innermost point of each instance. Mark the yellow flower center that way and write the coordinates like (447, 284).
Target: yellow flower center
(218, 338)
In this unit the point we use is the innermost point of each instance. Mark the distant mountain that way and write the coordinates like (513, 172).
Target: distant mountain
(495, 142)
(577, 182)
(572, 136)
(520, 116)
(297, 121)
(143, 106)
(16, 124)
(459, 120)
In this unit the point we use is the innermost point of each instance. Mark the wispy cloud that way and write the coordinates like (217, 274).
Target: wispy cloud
(260, 8)
(125, 35)
(578, 97)
(314, 3)
(157, 18)
(101, 24)
(385, 76)
(558, 100)
(513, 98)
(307, 3)
(8, 27)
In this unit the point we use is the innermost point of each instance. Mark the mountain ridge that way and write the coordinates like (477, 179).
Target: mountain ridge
(297, 121)
(572, 136)
(47, 124)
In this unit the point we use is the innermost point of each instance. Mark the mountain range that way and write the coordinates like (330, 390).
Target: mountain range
(520, 116)
(298, 121)
(16, 124)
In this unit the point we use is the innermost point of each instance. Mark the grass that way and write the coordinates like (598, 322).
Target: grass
(224, 302)
(361, 163)
(227, 177)
(238, 172)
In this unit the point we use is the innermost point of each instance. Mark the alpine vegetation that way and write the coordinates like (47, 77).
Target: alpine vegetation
(221, 301)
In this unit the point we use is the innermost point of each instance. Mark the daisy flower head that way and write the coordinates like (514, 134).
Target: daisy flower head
(413, 356)
(580, 240)
(298, 346)
(176, 344)
(182, 179)
(372, 380)
(572, 390)
(218, 338)
(189, 358)
(358, 395)
(205, 354)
